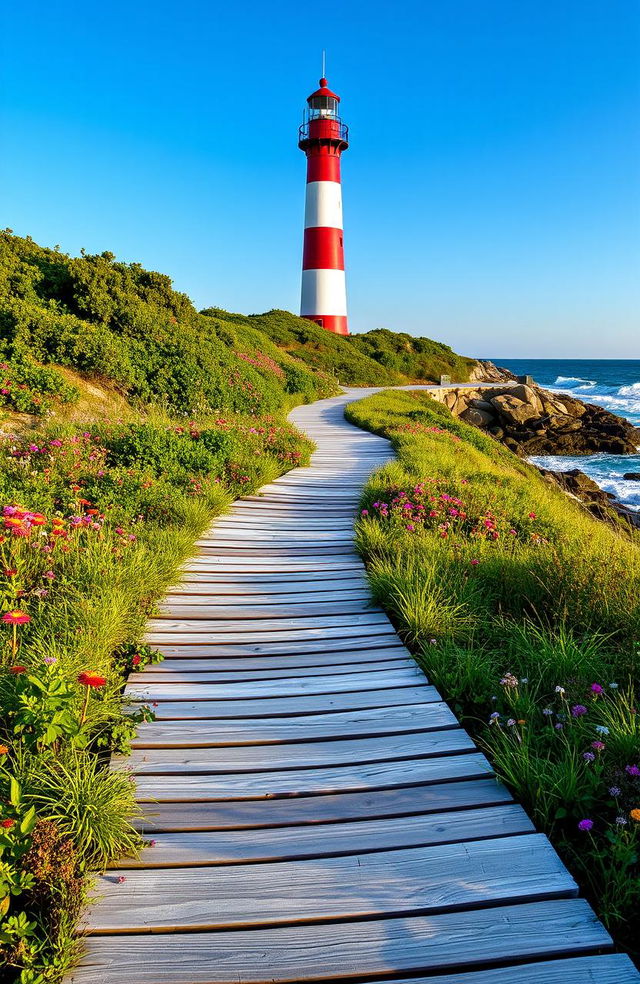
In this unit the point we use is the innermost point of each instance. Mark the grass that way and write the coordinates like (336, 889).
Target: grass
(95, 524)
(524, 611)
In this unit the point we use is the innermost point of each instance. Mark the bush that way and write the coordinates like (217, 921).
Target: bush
(524, 611)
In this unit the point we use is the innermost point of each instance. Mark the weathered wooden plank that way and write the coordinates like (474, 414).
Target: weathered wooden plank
(424, 880)
(166, 710)
(198, 632)
(315, 811)
(608, 968)
(291, 686)
(303, 647)
(306, 727)
(295, 782)
(209, 672)
(348, 950)
(311, 662)
(258, 594)
(328, 840)
(267, 624)
(300, 755)
(208, 609)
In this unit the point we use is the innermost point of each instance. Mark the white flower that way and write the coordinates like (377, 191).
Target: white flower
(613, 686)
(560, 690)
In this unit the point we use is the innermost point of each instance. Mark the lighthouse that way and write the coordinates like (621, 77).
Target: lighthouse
(323, 136)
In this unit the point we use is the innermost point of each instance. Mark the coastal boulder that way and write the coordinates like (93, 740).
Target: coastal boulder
(477, 417)
(632, 476)
(514, 410)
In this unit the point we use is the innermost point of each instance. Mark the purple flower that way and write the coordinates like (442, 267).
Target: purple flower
(632, 770)
(50, 660)
(614, 791)
(589, 757)
(578, 710)
(585, 824)
(547, 711)
(511, 722)
(621, 821)
(598, 746)
(596, 688)
(493, 717)
(558, 726)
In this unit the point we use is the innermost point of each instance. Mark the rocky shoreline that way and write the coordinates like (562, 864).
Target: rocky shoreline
(530, 420)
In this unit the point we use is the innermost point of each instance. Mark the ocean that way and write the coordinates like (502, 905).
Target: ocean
(611, 383)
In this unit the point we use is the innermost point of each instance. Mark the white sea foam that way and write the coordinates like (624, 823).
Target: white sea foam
(564, 380)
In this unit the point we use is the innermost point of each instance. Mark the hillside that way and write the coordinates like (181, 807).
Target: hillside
(125, 326)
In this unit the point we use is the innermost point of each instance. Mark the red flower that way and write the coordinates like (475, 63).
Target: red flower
(37, 519)
(16, 617)
(17, 669)
(136, 660)
(10, 573)
(91, 679)
(7, 824)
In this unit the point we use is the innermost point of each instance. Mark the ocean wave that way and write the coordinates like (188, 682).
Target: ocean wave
(563, 380)
(632, 390)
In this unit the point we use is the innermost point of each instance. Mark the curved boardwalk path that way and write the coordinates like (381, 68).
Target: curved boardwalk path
(319, 814)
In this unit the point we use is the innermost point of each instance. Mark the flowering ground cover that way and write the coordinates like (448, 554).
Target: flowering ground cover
(93, 526)
(525, 612)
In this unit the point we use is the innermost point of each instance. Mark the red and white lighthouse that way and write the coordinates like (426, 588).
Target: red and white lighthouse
(323, 137)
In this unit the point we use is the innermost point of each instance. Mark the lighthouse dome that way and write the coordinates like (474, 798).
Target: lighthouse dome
(323, 92)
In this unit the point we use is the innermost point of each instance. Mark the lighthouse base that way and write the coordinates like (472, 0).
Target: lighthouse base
(332, 322)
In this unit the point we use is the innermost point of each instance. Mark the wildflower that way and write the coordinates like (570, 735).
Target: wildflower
(152, 843)
(16, 617)
(513, 532)
(560, 690)
(3, 749)
(585, 824)
(49, 575)
(621, 821)
(10, 573)
(547, 711)
(494, 716)
(511, 722)
(50, 660)
(602, 729)
(635, 815)
(614, 791)
(364, 512)
(632, 770)
(136, 660)
(596, 688)
(532, 515)
(7, 824)
(474, 562)
(524, 679)
(16, 670)
(410, 527)
(614, 686)
(558, 726)
(589, 757)
(578, 710)
(91, 679)
(433, 642)
(509, 680)
(598, 746)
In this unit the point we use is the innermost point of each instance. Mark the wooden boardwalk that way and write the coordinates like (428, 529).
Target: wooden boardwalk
(317, 811)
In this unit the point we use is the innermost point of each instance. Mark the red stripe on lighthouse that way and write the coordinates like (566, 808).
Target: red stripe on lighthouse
(323, 249)
(333, 322)
(323, 166)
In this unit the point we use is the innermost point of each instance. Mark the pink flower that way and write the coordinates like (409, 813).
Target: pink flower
(597, 745)
(532, 516)
(474, 562)
(596, 688)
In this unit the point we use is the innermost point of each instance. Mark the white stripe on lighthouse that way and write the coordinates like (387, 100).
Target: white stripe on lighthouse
(323, 206)
(323, 292)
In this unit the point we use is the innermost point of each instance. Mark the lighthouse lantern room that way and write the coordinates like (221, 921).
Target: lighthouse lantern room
(323, 136)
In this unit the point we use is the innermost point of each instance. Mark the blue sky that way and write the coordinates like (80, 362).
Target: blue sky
(492, 186)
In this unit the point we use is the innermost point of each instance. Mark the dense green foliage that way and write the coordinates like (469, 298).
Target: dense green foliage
(417, 359)
(525, 612)
(122, 323)
(94, 525)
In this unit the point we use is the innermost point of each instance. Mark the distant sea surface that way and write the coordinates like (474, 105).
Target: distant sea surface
(614, 384)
